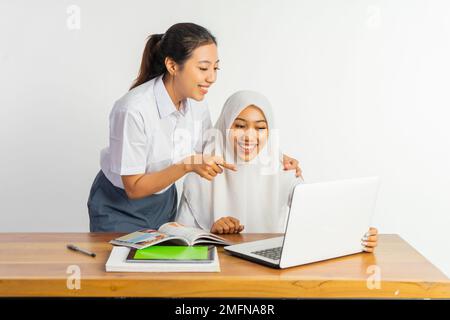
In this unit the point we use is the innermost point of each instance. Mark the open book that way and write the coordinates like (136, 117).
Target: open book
(170, 232)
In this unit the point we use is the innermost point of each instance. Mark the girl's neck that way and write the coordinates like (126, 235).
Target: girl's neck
(169, 84)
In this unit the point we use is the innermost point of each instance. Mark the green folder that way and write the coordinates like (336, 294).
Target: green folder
(172, 253)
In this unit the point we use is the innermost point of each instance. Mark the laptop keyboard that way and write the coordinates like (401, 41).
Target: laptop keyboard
(272, 253)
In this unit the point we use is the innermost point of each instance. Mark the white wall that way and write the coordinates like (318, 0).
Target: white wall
(360, 87)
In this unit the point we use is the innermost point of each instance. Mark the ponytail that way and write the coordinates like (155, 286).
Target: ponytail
(152, 64)
(177, 43)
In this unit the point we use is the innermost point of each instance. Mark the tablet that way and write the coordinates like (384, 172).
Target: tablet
(172, 254)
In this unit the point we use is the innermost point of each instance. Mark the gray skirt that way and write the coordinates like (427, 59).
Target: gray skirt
(110, 209)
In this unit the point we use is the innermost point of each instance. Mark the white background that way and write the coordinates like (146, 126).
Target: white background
(360, 87)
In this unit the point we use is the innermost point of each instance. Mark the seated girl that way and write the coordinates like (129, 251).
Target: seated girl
(254, 197)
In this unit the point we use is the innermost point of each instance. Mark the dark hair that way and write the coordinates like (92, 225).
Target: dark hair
(177, 43)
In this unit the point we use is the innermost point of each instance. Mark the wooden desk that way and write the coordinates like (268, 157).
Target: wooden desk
(36, 265)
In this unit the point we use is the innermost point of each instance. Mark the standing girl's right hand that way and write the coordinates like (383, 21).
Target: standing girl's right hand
(206, 166)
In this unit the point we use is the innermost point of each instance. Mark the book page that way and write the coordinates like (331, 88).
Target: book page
(189, 233)
(144, 238)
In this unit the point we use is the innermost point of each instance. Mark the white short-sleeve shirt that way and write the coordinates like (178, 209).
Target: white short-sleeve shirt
(147, 133)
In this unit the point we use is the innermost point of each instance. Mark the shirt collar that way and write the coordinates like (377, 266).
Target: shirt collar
(164, 102)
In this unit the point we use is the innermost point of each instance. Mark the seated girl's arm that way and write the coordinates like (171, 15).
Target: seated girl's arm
(185, 215)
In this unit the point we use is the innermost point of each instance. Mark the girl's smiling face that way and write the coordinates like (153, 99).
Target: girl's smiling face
(198, 73)
(249, 133)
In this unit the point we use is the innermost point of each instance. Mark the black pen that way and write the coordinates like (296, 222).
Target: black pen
(75, 248)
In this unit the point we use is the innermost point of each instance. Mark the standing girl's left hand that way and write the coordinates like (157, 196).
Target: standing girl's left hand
(370, 240)
(292, 164)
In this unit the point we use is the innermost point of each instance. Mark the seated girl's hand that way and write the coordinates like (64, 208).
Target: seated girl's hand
(227, 225)
(370, 240)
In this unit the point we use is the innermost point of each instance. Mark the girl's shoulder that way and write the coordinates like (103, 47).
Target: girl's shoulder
(136, 99)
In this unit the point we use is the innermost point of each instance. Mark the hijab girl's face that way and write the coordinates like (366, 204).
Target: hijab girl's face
(249, 133)
(198, 73)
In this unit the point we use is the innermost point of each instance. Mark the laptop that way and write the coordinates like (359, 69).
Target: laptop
(326, 220)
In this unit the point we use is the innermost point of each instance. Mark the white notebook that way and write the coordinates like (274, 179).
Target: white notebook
(117, 263)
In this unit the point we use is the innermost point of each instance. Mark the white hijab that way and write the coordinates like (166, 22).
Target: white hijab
(257, 193)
